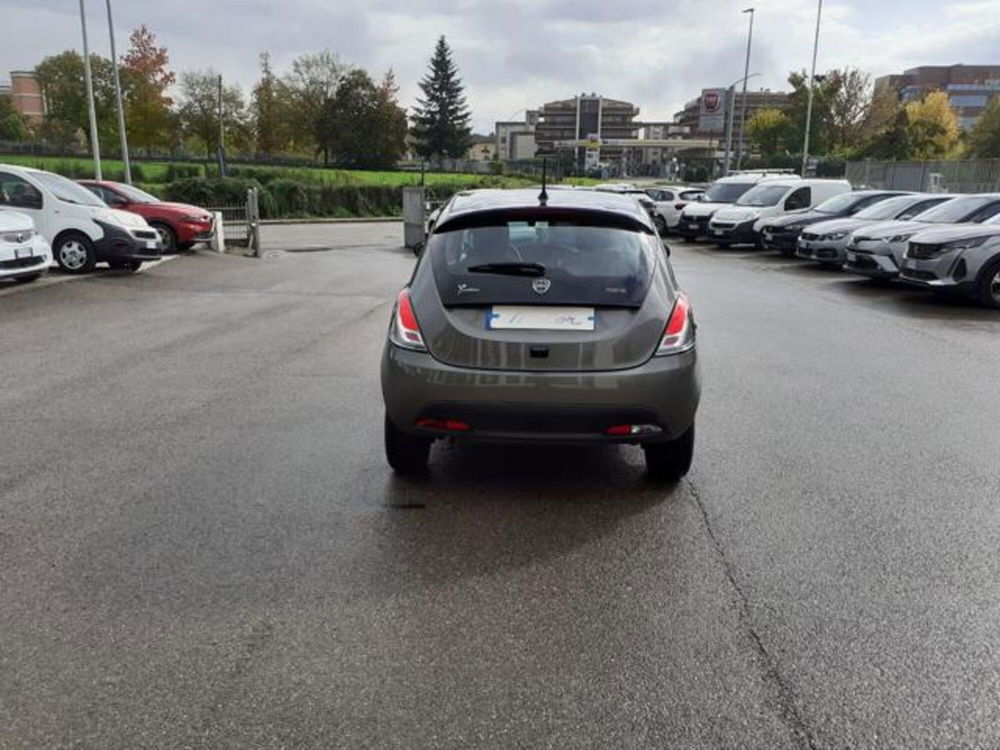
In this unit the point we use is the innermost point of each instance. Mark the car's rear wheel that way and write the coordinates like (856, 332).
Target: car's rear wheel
(406, 454)
(989, 285)
(167, 236)
(74, 253)
(669, 461)
(28, 279)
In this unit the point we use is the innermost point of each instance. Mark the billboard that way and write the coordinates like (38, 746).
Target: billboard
(712, 113)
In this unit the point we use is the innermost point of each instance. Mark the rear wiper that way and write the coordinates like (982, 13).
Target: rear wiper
(510, 269)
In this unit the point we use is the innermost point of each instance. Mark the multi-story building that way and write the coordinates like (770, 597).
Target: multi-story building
(707, 115)
(587, 128)
(969, 87)
(515, 139)
(27, 96)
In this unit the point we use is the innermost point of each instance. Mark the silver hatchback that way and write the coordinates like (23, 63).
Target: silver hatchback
(542, 319)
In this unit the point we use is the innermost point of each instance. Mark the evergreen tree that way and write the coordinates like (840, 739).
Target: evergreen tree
(441, 121)
(984, 138)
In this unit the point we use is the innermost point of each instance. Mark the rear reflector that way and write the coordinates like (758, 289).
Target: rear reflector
(449, 425)
(632, 429)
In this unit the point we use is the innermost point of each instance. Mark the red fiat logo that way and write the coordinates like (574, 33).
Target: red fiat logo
(711, 101)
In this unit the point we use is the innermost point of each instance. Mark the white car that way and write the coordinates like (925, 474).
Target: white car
(723, 192)
(79, 226)
(24, 254)
(669, 200)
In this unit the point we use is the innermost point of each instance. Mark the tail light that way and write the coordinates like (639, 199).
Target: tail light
(405, 330)
(679, 206)
(679, 334)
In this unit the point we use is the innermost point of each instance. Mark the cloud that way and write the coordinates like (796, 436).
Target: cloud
(518, 54)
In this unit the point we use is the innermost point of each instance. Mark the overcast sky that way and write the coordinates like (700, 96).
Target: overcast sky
(518, 54)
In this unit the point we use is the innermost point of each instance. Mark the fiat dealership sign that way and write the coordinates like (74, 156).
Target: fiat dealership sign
(711, 116)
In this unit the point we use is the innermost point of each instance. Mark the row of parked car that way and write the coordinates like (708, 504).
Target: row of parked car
(939, 241)
(46, 218)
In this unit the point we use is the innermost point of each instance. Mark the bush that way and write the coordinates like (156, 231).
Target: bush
(176, 172)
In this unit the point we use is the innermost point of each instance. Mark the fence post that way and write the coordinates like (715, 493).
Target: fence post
(413, 217)
(253, 222)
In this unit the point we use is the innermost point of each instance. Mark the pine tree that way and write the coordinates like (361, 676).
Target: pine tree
(441, 121)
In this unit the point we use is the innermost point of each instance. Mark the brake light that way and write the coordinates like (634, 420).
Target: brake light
(679, 334)
(450, 425)
(681, 205)
(405, 331)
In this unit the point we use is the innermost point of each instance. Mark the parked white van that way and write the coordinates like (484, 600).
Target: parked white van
(24, 253)
(742, 221)
(723, 192)
(79, 227)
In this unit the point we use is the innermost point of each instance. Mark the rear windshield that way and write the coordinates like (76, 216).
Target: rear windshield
(584, 264)
(726, 192)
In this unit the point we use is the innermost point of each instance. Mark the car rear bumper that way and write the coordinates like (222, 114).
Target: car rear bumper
(541, 407)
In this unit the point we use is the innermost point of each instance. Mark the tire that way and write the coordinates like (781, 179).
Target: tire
(988, 286)
(28, 279)
(407, 455)
(128, 266)
(668, 462)
(74, 253)
(167, 236)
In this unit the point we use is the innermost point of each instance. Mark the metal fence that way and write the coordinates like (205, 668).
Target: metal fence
(965, 176)
(241, 222)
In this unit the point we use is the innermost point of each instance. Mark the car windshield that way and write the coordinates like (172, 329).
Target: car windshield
(726, 192)
(586, 264)
(890, 208)
(135, 195)
(954, 210)
(838, 203)
(763, 195)
(67, 190)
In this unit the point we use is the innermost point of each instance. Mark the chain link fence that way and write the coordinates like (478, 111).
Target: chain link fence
(966, 176)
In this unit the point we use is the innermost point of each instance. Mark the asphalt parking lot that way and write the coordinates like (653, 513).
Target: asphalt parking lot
(201, 545)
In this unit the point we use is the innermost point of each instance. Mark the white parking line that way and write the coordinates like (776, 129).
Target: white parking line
(53, 277)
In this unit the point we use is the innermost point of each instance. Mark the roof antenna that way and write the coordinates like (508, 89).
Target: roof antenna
(543, 197)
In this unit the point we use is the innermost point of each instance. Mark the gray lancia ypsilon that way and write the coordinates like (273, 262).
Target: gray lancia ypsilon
(542, 318)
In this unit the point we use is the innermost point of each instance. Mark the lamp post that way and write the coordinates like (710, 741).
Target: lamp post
(812, 78)
(731, 96)
(95, 146)
(743, 97)
(118, 98)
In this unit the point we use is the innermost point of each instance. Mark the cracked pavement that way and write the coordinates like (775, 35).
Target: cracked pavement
(201, 545)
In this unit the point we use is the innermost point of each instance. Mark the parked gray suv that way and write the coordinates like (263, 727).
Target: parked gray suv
(963, 259)
(542, 319)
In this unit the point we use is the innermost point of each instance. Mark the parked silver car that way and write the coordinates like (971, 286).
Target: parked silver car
(826, 241)
(542, 319)
(877, 251)
(963, 259)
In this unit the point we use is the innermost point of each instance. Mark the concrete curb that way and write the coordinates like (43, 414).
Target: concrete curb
(352, 220)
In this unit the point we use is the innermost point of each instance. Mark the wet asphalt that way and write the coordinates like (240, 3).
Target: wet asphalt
(201, 545)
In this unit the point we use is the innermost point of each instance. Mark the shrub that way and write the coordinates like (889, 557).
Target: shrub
(176, 172)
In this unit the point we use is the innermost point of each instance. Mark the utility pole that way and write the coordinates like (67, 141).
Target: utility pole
(118, 98)
(731, 107)
(222, 152)
(95, 146)
(812, 79)
(743, 99)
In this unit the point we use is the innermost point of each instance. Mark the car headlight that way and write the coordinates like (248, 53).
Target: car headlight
(834, 236)
(965, 244)
(898, 238)
(196, 218)
(17, 238)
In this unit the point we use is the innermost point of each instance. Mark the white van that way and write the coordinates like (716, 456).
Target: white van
(24, 253)
(80, 228)
(741, 222)
(723, 192)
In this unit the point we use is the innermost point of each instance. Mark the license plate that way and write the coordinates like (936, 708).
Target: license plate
(717, 232)
(540, 318)
(23, 252)
(151, 244)
(692, 226)
(851, 257)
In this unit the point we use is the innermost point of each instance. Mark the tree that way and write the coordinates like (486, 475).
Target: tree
(13, 126)
(441, 119)
(271, 110)
(984, 138)
(62, 80)
(199, 111)
(849, 105)
(364, 126)
(932, 130)
(769, 130)
(146, 77)
(313, 82)
(824, 90)
(892, 139)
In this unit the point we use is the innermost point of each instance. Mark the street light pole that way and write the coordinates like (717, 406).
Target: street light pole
(743, 99)
(95, 146)
(118, 98)
(812, 79)
(731, 107)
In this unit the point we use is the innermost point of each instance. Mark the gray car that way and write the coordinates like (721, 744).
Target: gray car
(542, 319)
(963, 259)
(877, 251)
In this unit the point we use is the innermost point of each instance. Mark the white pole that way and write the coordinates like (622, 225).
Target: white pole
(743, 99)
(94, 144)
(118, 98)
(731, 107)
(812, 78)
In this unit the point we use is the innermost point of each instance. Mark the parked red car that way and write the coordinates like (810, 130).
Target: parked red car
(180, 226)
